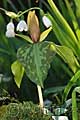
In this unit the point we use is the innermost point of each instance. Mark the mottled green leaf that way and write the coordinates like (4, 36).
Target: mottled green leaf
(36, 59)
(18, 72)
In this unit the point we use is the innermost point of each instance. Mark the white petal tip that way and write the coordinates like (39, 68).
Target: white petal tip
(22, 26)
(10, 26)
(10, 33)
(60, 118)
(46, 22)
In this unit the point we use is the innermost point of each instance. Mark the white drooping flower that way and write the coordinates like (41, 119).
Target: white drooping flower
(22, 26)
(10, 30)
(10, 26)
(60, 117)
(46, 22)
(10, 33)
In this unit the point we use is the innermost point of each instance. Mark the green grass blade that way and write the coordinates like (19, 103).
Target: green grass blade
(64, 10)
(70, 84)
(73, 18)
(12, 5)
(62, 21)
(21, 4)
(77, 4)
(62, 37)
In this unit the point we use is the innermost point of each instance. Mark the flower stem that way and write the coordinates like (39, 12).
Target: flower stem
(2, 9)
(31, 9)
(40, 96)
(20, 13)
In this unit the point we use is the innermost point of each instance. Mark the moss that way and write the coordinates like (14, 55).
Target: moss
(24, 111)
(2, 110)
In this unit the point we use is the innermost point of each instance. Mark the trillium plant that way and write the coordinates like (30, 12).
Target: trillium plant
(35, 56)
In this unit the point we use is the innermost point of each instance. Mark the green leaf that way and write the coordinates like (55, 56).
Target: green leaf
(70, 84)
(63, 37)
(18, 72)
(53, 90)
(36, 59)
(45, 34)
(68, 56)
(61, 20)
(73, 18)
(25, 37)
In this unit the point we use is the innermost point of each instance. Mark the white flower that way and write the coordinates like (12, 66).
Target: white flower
(10, 30)
(10, 33)
(46, 22)
(60, 118)
(10, 26)
(22, 26)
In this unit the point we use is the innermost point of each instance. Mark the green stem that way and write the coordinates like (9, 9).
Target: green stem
(74, 106)
(40, 96)
(3, 9)
(19, 14)
(58, 100)
(37, 8)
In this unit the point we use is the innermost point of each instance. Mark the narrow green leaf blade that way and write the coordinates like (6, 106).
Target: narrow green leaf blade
(70, 84)
(62, 21)
(63, 37)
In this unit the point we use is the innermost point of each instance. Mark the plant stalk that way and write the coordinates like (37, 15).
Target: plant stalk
(40, 96)
(74, 106)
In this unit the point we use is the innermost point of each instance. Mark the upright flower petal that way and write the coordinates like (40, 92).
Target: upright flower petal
(22, 26)
(10, 33)
(46, 22)
(33, 25)
(10, 26)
